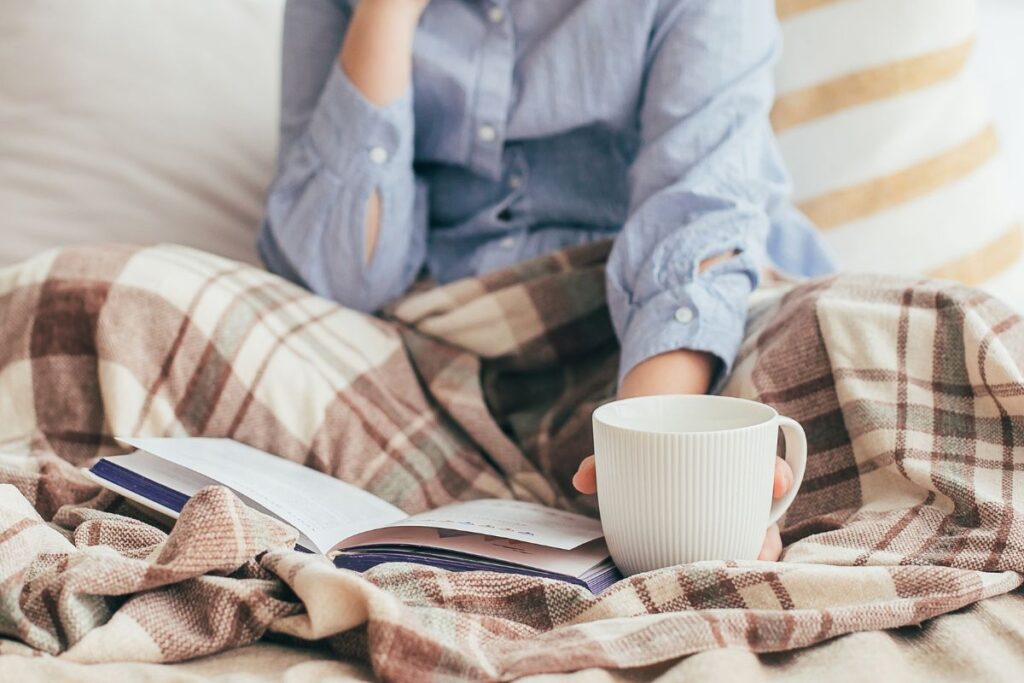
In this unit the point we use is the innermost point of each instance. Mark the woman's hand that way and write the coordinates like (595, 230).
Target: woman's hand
(684, 372)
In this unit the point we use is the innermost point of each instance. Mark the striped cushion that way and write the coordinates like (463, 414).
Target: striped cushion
(891, 145)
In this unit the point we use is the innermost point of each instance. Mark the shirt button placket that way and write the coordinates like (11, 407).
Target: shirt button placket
(496, 62)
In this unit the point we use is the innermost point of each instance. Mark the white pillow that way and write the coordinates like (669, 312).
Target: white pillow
(891, 142)
(136, 121)
(998, 61)
(156, 121)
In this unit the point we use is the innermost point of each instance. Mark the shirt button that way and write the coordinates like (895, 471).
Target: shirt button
(514, 181)
(495, 15)
(684, 315)
(507, 242)
(487, 133)
(378, 155)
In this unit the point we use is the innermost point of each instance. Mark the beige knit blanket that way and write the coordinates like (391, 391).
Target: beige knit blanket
(912, 396)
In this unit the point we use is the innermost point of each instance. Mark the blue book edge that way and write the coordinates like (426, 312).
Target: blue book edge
(600, 577)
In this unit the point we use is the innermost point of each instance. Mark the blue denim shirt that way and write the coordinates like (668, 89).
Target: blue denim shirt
(533, 125)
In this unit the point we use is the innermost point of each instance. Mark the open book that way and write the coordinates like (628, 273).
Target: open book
(356, 529)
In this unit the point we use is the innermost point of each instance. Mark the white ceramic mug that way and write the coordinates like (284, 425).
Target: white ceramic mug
(689, 478)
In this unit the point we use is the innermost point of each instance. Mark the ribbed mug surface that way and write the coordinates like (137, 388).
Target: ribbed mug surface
(673, 497)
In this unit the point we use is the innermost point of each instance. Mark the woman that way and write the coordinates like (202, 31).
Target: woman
(461, 136)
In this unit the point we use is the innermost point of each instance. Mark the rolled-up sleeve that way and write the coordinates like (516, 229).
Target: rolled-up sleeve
(337, 149)
(706, 175)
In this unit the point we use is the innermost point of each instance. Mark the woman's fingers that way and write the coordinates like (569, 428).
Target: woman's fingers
(585, 479)
(771, 550)
(783, 478)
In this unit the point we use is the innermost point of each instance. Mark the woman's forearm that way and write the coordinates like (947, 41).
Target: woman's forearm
(346, 159)
(675, 372)
(377, 52)
(377, 58)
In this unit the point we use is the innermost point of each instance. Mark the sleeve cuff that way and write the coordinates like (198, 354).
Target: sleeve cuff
(355, 136)
(707, 316)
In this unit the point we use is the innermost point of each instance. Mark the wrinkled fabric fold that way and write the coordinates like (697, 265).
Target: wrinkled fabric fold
(911, 394)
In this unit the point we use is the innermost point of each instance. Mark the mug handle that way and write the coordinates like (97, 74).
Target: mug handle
(796, 458)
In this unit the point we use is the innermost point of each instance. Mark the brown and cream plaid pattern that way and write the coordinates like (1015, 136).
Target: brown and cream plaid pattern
(911, 393)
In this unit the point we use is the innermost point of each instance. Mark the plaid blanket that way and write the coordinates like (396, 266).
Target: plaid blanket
(911, 394)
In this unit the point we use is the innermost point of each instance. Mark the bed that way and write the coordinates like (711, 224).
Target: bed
(127, 178)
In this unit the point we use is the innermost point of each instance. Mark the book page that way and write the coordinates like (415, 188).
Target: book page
(174, 477)
(512, 519)
(320, 507)
(554, 560)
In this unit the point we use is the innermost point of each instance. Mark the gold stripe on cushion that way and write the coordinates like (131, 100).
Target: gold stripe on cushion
(987, 262)
(858, 201)
(869, 85)
(788, 8)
